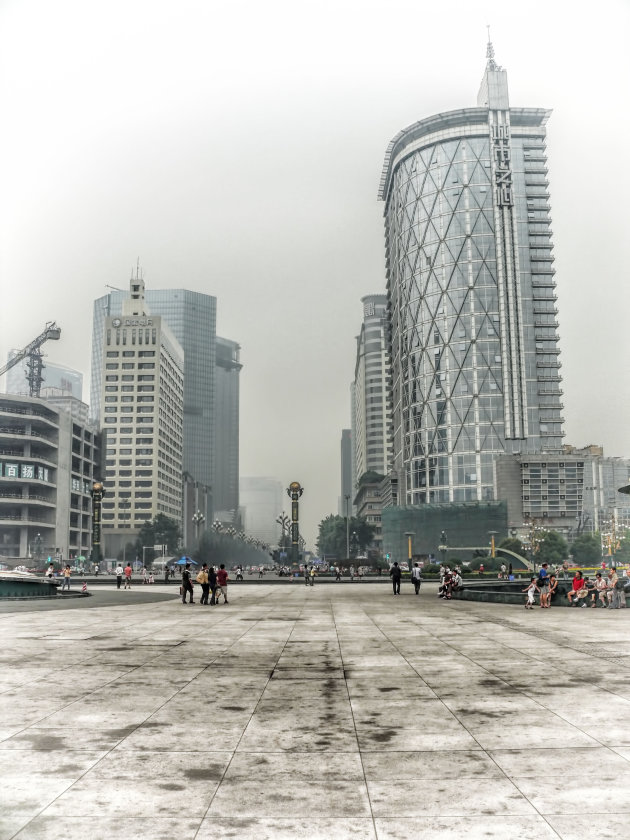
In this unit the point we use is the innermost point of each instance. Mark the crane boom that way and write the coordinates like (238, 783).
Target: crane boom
(51, 333)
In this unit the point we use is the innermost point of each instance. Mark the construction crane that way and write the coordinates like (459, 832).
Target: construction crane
(35, 363)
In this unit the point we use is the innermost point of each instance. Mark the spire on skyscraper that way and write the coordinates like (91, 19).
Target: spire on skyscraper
(491, 63)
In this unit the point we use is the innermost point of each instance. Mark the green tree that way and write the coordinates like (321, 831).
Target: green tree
(551, 547)
(332, 535)
(587, 549)
(160, 531)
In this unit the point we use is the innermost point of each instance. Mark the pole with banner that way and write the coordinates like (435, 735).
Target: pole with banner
(97, 492)
(295, 490)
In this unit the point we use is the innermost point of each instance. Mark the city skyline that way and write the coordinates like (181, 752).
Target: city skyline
(286, 232)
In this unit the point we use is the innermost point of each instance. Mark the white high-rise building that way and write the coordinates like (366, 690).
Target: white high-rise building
(142, 409)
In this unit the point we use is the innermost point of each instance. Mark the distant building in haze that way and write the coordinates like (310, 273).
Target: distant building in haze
(62, 379)
(227, 386)
(370, 417)
(261, 504)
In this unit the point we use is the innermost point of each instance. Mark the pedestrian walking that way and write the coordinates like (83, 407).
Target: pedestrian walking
(187, 584)
(96, 570)
(395, 574)
(128, 573)
(338, 573)
(166, 574)
(202, 578)
(51, 572)
(416, 577)
(222, 580)
(119, 572)
(145, 575)
(311, 575)
(66, 578)
(305, 570)
(531, 590)
(212, 582)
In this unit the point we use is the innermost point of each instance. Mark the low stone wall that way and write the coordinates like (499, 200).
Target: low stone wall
(510, 592)
(25, 587)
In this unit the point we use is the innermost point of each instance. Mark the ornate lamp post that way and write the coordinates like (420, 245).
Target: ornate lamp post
(198, 519)
(294, 491)
(443, 547)
(283, 521)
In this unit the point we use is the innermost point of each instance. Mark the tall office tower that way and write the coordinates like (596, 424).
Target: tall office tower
(62, 379)
(142, 413)
(347, 494)
(227, 376)
(471, 295)
(191, 316)
(261, 504)
(371, 418)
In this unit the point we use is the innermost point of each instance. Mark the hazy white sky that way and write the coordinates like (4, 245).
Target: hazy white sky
(236, 147)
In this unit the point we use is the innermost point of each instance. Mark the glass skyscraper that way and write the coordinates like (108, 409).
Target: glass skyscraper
(191, 317)
(472, 312)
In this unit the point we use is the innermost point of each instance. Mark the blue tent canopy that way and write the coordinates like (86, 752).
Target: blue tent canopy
(183, 560)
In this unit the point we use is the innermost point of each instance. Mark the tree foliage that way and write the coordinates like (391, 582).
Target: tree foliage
(587, 549)
(160, 531)
(332, 535)
(551, 547)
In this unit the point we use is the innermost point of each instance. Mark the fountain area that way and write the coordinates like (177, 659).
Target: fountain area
(18, 585)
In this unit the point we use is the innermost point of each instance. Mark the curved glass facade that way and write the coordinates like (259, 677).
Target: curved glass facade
(473, 341)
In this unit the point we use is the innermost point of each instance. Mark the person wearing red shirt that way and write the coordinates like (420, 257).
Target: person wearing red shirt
(128, 573)
(578, 583)
(222, 579)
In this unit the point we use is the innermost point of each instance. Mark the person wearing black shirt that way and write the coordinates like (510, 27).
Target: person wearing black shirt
(186, 584)
(395, 574)
(212, 580)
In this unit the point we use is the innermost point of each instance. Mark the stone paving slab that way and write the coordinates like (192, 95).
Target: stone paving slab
(316, 713)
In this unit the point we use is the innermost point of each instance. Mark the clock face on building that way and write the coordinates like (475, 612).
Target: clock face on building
(116, 322)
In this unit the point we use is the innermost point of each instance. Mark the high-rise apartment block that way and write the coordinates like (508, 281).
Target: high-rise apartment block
(142, 413)
(471, 296)
(48, 462)
(370, 415)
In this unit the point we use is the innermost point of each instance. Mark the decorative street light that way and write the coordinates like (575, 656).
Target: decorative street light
(216, 526)
(198, 519)
(283, 521)
(347, 498)
(443, 547)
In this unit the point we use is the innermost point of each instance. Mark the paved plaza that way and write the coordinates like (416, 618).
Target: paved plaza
(338, 711)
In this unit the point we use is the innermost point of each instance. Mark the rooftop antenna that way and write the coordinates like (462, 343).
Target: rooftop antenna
(491, 63)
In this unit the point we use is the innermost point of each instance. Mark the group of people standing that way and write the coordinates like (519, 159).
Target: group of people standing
(126, 573)
(213, 584)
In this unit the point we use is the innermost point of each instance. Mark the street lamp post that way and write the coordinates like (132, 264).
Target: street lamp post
(493, 552)
(409, 535)
(283, 521)
(347, 498)
(198, 519)
(294, 491)
(443, 547)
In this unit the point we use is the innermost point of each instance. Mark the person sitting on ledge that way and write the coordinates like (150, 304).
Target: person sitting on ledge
(578, 583)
